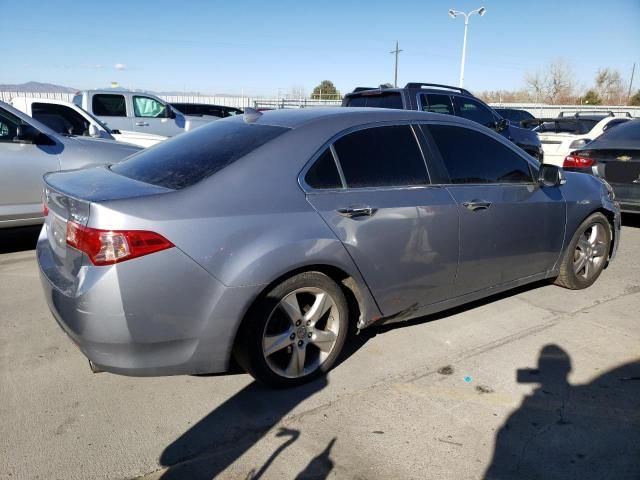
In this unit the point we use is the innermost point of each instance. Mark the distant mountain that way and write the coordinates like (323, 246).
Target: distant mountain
(37, 87)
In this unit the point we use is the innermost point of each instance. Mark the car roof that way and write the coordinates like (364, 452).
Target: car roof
(294, 118)
(413, 86)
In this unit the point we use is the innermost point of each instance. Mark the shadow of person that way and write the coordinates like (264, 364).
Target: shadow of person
(320, 466)
(560, 431)
(220, 438)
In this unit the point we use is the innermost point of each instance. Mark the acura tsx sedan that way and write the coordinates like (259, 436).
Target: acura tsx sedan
(264, 237)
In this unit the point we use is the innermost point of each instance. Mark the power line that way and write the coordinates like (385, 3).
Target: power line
(395, 77)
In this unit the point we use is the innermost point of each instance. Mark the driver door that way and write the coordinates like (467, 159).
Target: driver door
(151, 116)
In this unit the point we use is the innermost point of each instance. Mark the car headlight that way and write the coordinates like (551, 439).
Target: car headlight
(579, 143)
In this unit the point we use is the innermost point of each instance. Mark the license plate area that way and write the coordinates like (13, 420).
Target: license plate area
(57, 234)
(622, 172)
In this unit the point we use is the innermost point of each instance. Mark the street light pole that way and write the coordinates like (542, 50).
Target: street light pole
(453, 14)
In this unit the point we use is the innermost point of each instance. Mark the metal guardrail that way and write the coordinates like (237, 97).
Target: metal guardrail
(264, 102)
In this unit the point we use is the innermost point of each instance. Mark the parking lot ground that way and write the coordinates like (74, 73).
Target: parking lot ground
(542, 382)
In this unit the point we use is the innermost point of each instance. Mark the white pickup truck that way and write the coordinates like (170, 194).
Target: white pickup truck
(69, 119)
(137, 111)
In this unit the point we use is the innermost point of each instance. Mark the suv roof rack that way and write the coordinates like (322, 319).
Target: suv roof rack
(362, 89)
(438, 85)
(586, 113)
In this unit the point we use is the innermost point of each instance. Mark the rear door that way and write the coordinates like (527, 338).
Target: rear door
(510, 227)
(22, 166)
(373, 190)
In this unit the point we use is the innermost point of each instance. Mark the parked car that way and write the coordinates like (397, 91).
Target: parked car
(69, 119)
(137, 111)
(205, 109)
(515, 116)
(432, 97)
(561, 135)
(266, 235)
(614, 156)
(29, 149)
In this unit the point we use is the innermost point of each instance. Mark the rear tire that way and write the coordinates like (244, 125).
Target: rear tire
(587, 254)
(295, 332)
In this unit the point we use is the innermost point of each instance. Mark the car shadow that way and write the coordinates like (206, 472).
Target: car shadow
(19, 239)
(220, 438)
(588, 431)
(225, 434)
(631, 220)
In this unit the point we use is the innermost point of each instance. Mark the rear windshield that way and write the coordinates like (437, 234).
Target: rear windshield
(626, 135)
(378, 100)
(190, 157)
(577, 127)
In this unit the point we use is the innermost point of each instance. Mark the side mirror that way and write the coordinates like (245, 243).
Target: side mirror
(501, 125)
(93, 131)
(26, 134)
(551, 175)
(169, 113)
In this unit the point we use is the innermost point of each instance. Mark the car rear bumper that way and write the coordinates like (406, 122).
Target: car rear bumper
(161, 314)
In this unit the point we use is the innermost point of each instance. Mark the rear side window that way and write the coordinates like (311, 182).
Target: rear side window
(381, 157)
(473, 157)
(436, 103)
(109, 105)
(190, 157)
(383, 100)
(324, 173)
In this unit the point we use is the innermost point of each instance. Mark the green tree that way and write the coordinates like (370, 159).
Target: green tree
(326, 91)
(635, 99)
(591, 98)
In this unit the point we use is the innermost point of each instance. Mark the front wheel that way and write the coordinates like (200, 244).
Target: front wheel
(294, 333)
(587, 253)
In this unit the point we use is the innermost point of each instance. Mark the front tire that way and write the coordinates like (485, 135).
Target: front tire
(294, 333)
(587, 253)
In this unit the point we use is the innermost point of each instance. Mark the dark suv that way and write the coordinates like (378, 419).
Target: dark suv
(432, 97)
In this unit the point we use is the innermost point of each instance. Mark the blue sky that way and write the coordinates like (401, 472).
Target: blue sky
(258, 47)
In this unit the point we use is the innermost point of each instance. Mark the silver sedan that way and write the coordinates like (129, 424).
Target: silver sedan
(267, 236)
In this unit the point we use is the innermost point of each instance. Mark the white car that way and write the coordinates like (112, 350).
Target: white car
(560, 136)
(67, 118)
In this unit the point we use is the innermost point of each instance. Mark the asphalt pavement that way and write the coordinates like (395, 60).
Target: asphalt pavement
(541, 382)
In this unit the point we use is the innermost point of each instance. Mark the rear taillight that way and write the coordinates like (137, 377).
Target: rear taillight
(45, 207)
(576, 161)
(106, 247)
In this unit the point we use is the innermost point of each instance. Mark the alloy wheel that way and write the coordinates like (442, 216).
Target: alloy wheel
(301, 332)
(590, 252)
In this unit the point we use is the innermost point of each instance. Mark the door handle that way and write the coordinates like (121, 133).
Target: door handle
(474, 205)
(142, 124)
(352, 212)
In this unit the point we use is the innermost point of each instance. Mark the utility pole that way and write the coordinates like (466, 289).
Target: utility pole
(633, 70)
(395, 77)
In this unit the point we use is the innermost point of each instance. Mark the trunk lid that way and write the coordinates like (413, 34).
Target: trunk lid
(619, 167)
(68, 196)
